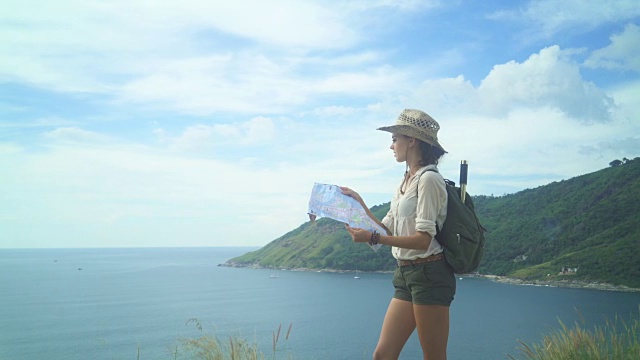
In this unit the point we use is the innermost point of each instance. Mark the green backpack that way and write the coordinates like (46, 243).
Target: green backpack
(461, 235)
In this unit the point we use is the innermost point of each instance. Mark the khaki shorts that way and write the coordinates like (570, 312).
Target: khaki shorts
(431, 283)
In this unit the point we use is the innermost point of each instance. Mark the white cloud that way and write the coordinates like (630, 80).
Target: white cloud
(195, 137)
(201, 57)
(548, 79)
(357, 59)
(615, 147)
(404, 5)
(626, 95)
(208, 84)
(302, 24)
(74, 134)
(258, 130)
(532, 147)
(250, 111)
(121, 38)
(45, 122)
(203, 86)
(622, 54)
(82, 186)
(376, 80)
(554, 16)
(10, 148)
(330, 111)
(305, 24)
(120, 187)
(447, 95)
(205, 138)
(531, 123)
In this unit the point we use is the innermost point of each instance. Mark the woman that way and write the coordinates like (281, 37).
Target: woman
(424, 282)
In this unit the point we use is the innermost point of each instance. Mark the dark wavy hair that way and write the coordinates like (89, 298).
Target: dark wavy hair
(430, 154)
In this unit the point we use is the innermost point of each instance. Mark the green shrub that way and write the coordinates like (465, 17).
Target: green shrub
(615, 340)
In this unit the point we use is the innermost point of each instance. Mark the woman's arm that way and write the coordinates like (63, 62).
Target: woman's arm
(358, 198)
(418, 241)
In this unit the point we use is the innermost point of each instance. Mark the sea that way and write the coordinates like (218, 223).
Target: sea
(78, 304)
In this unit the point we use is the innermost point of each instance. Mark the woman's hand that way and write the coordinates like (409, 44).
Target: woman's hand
(353, 194)
(358, 235)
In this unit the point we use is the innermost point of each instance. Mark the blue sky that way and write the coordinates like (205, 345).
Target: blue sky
(205, 123)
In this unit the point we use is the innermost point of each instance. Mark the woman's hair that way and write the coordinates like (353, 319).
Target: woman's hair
(430, 154)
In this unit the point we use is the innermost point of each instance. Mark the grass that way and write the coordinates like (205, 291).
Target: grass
(617, 340)
(208, 347)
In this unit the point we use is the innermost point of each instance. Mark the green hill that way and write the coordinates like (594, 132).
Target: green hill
(588, 226)
(323, 244)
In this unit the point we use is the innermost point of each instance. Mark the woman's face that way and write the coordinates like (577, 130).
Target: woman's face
(399, 145)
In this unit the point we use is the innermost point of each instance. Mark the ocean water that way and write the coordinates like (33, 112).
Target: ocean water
(117, 303)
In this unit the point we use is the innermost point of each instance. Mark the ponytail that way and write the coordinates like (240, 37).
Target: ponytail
(430, 154)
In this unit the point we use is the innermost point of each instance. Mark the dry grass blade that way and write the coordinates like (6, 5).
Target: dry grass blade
(288, 332)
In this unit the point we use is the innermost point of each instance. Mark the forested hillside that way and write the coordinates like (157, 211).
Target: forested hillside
(588, 225)
(586, 228)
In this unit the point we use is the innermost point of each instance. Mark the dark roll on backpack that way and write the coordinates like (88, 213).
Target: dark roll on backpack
(461, 235)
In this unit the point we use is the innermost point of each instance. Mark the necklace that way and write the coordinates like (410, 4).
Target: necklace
(405, 181)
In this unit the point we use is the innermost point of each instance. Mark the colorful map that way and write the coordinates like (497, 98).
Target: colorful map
(328, 201)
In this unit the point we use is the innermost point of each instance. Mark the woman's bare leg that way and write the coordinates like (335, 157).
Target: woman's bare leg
(432, 322)
(399, 323)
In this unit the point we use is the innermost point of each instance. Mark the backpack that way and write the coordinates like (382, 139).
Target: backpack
(461, 235)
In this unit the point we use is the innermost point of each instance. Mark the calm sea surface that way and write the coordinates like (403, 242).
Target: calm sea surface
(111, 303)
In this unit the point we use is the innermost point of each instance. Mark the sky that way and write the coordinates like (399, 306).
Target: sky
(130, 123)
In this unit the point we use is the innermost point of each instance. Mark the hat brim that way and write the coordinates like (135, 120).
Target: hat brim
(412, 132)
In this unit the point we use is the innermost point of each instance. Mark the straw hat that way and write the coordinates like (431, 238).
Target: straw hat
(416, 124)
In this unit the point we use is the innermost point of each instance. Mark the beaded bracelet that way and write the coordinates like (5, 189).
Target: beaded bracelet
(375, 237)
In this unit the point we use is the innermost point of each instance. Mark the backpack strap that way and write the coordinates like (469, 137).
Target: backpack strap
(447, 182)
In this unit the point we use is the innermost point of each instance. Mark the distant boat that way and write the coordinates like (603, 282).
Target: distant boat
(356, 277)
(273, 276)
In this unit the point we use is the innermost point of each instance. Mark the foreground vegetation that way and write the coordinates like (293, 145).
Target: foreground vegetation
(209, 347)
(616, 340)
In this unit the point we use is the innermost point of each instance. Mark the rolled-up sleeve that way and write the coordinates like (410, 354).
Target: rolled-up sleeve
(432, 195)
(387, 221)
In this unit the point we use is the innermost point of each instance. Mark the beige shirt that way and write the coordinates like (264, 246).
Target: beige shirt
(422, 206)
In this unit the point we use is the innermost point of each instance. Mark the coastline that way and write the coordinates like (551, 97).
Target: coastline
(575, 284)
